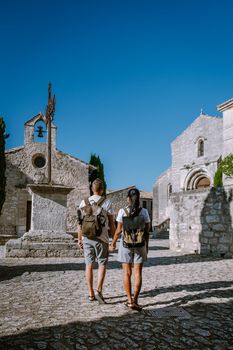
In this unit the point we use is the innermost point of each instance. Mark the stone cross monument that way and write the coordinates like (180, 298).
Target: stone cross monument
(47, 236)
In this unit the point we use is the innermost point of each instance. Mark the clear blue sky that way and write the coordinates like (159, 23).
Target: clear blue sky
(129, 75)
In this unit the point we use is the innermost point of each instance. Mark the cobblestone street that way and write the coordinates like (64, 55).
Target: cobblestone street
(44, 305)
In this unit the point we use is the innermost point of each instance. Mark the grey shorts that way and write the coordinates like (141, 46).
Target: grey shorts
(131, 255)
(95, 249)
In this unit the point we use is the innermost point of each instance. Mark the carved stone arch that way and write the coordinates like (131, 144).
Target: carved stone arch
(40, 131)
(29, 130)
(197, 178)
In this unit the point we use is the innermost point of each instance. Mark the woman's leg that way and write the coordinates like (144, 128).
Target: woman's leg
(137, 281)
(127, 272)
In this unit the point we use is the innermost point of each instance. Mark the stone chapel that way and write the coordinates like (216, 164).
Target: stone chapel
(26, 165)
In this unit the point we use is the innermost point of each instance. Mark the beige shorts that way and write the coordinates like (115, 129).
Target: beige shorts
(131, 255)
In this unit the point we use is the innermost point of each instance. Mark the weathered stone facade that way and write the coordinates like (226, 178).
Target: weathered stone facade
(119, 199)
(22, 169)
(200, 217)
(188, 167)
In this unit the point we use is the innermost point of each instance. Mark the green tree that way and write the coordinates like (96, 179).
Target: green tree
(95, 160)
(226, 165)
(3, 137)
(218, 178)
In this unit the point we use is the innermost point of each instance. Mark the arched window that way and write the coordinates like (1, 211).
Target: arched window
(200, 148)
(169, 190)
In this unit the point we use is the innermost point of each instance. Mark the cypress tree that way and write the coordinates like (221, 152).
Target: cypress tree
(218, 178)
(3, 137)
(95, 160)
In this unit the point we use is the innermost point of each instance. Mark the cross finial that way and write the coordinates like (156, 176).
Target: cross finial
(50, 108)
(202, 112)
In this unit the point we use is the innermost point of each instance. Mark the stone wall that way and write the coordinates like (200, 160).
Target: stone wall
(118, 199)
(201, 222)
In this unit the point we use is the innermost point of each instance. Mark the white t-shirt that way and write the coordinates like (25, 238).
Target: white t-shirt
(107, 206)
(143, 212)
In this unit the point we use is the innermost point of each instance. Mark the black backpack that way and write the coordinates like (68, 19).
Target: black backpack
(133, 230)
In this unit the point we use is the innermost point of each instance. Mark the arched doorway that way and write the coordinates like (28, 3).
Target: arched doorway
(203, 182)
(197, 179)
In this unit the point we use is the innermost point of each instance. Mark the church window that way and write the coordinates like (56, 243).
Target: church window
(144, 204)
(169, 190)
(39, 161)
(200, 150)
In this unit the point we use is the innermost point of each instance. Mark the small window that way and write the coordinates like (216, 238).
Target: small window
(200, 151)
(39, 161)
(144, 204)
(169, 190)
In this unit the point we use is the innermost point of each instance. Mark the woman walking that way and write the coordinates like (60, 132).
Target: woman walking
(134, 256)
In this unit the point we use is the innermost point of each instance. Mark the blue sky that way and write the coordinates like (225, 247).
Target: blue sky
(129, 75)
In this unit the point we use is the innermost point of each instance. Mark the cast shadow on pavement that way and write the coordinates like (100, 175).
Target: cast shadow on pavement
(207, 290)
(133, 330)
(9, 272)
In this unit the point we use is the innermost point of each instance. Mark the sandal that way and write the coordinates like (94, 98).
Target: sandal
(133, 306)
(91, 298)
(99, 297)
(137, 307)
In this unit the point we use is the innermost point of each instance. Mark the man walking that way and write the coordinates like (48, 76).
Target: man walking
(96, 247)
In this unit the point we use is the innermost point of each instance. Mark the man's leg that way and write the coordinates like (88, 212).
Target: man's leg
(137, 281)
(89, 279)
(101, 276)
(89, 254)
(127, 272)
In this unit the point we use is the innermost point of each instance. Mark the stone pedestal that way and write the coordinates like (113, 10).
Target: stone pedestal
(47, 236)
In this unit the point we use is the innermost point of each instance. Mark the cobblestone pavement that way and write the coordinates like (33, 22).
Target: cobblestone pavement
(44, 305)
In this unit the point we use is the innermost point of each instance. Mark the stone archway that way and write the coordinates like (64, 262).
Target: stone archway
(196, 179)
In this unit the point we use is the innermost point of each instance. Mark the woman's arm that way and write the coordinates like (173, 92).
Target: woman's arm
(116, 236)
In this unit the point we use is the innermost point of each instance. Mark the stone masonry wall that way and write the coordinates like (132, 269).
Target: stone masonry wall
(201, 222)
(118, 199)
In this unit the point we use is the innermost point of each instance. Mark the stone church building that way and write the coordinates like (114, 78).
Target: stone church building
(28, 165)
(184, 200)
